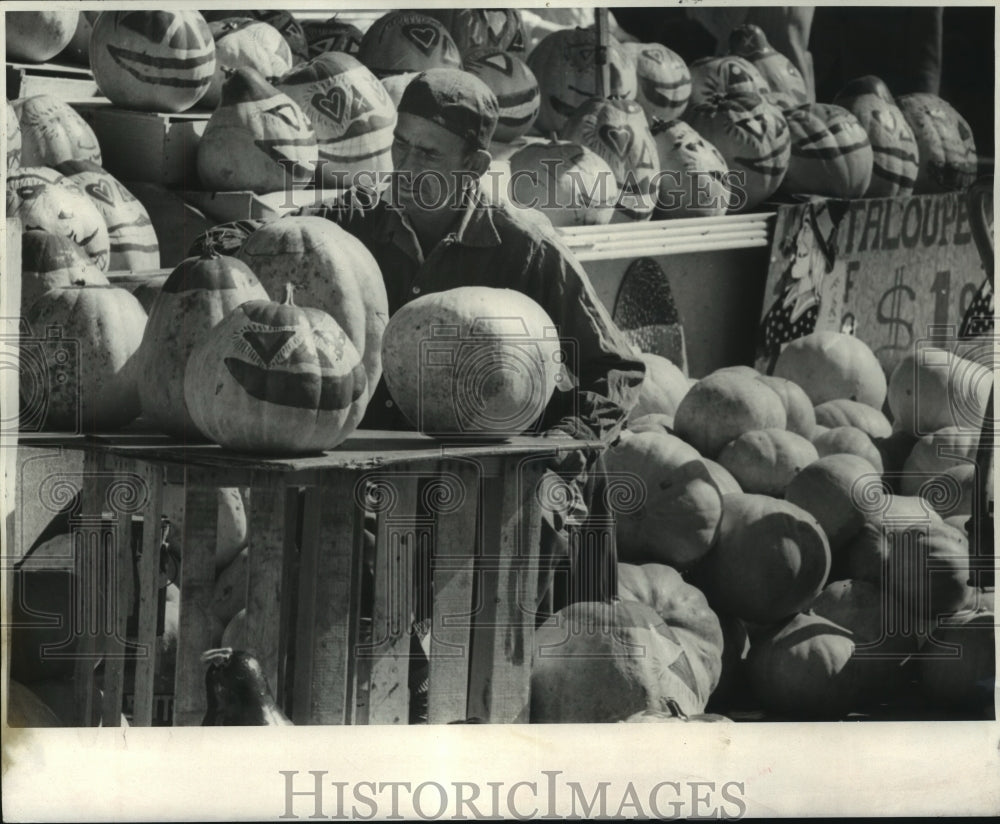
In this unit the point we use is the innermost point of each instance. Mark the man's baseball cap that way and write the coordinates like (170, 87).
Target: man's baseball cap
(455, 99)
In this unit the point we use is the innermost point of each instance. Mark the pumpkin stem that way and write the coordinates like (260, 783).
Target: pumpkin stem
(289, 294)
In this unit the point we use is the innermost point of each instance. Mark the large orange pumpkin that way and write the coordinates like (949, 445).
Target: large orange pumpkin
(276, 378)
(749, 42)
(946, 147)
(765, 460)
(728, 74)
(161, 61)
(845, 412)
(52, 132)
(330, 270)
(664, 82)
(63, 209)
(515, 86)
(799, 413)
(662, 389)
(244, 41)
(831, 153)
(352, 115)
(37, 36)
(48, 261)
(407, 41)
(195, 298)
(829, 365)
(848, 440)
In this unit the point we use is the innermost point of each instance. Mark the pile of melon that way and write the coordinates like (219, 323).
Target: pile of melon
(828, 537)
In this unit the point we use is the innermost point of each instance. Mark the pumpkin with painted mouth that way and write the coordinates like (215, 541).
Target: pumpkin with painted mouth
(515, 86)
(52, 132)
(664, 81)
(276, 378)
(563, 62)
(471, 29)
(749, 42)
(63, 209)
(243, 41)
(831, 153)
(406, 41)
(159, 61)
(752, 135)
(351, 113)
(946, 147)
(258, 139)
(728, 74)
(618, 133)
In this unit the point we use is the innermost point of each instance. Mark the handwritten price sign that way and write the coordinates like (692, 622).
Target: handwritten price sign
(891, 271)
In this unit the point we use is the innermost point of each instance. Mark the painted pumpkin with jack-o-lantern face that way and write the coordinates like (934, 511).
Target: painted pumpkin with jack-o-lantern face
(53, 132)
(515, 86)
(243, 41)
(258, 139)
(160, 61)
(752, 136)
(471, 29)
(749, 42)
(728, 74)
(693, 175)
(894, 148)
(406, 41)
(831, 153)
(664, 82)
(563, 62)
(617, 132)
(63, 209)
(946, 147)
(351, 113)
(331, 35)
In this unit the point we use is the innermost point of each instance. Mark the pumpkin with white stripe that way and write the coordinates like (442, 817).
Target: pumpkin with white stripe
(52, 131)
(133, 239)
(276, 378)
(749, 42)
(947, 149)
(752, 136)
(831, 153)
(159, 61)
(243, 41)
(406, 41)
(515, 86)
(664, 81)
(472, 29)
(694, 177)
(63, 209)
(728, 74)
(618, 132)
(258, 139)
(351, 113)
(563, 63)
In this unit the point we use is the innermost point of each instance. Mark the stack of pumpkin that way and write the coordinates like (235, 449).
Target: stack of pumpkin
(830, 543)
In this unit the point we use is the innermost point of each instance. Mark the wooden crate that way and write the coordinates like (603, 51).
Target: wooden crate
(65, 82)
(147, 146)
(474, 509)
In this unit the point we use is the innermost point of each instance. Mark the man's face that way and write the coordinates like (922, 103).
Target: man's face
(431, 163)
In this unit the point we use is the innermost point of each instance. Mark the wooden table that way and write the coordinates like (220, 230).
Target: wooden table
(475, 509)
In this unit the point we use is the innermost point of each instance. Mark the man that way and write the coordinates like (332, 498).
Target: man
(431, 231)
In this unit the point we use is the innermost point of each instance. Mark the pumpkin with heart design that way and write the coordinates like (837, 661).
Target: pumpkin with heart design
(49, 261)
(618, 132)
(563, 62)
(515, 86)
(752, 136)
(664, 81)
(160, 61)
(351, 113)
(64, 209)
(749, 42)
(244, 41)
(258, 139)
(471, 29)
(727, 74)
(831, 154)
(333, 35)
(694, 177)
(133, 239)
(894, 148)
(407, 41)
(276, 378)
(945, 144)
(52, 131)
(14, 141)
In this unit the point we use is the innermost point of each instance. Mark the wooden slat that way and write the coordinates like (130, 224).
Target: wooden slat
(197, 582)
(499, 678)
(149, 566)
(451, 628)
(289, 602)
(388, 697)
(266, 532)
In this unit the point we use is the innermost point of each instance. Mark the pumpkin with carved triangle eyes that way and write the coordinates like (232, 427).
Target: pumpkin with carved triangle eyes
(515, 86)
(894, 148)
(331, 35)
(257, 140)
(664, 81)
(52, 131)
(617, 131)
(195, 298)
(14, 141)
(947, 149)
(407, 41)
(752, 136)
(276, 378)
(749, 42)
(728, 74)
(351, 113)
(159, 61)
(63, 209)
(243, 41)
(693, 179)
(563, 62)
(831, 153)
(133, 239)
(501, 29)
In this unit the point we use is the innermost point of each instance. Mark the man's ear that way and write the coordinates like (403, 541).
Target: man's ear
(479, 161)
